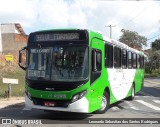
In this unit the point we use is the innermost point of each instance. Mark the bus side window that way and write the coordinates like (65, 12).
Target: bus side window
(124, 59)
(117, 57)
(134, 60)
(108, 55)
(141, 62)
(138, 61)
(130, 60)
(96, 60)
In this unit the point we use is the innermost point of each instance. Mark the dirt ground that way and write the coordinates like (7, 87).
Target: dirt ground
(13, 100)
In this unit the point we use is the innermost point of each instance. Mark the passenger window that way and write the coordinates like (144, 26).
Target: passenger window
(117, 57)
(96, 60)
(141, 62)
(134, 60)
(124, 59)
(108, 55)
(130, 60)
(138, 61)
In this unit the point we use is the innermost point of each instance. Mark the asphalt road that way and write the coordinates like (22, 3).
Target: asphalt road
(145, 105)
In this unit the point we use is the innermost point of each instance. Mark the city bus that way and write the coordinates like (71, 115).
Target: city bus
(79, 70)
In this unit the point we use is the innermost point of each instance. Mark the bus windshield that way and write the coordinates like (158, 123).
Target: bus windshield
(59, 63)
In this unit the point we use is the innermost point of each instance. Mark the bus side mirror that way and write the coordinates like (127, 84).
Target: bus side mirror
(22, 58)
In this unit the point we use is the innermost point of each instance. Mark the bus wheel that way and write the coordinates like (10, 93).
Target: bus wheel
(105, 103)
(132, 93)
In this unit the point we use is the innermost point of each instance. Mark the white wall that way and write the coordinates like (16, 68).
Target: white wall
(16, 31)
(7, 28)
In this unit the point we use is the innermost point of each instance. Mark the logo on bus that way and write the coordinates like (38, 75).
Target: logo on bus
(50, 88)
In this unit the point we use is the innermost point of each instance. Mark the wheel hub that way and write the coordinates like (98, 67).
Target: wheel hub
(104, 103)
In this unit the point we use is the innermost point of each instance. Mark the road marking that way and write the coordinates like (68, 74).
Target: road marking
(148, 105)
(142, 96)
(131, 105)
(157, 101)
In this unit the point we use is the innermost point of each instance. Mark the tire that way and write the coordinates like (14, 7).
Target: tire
(105, 103)
(132, 93)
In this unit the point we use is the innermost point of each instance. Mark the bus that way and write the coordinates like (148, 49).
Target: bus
(79, 70)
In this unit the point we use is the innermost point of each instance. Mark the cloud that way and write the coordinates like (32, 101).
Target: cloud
(17, 11)
(139, 16)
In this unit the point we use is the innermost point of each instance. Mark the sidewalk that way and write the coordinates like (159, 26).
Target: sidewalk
(12, 101)
(152, 82)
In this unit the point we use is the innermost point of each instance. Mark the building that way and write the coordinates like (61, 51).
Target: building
(12, 37)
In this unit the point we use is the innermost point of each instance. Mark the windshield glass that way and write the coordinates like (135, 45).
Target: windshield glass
(39, 66)
(69, 63)
(61, 63)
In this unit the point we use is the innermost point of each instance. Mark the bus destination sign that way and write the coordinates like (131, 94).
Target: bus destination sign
(56, 37)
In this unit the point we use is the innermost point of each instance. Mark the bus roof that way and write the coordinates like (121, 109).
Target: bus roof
(62, 29)
(120, 44)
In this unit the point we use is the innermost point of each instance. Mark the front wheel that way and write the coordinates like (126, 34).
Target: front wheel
(105, 103)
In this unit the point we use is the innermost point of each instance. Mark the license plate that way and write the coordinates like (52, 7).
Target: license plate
(49, 104)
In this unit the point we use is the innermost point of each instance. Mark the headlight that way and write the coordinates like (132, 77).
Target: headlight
(79, 96)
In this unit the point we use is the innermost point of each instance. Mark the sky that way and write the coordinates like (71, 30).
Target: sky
(140, 16)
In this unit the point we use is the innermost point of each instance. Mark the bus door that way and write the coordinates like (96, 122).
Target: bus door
(96, 64)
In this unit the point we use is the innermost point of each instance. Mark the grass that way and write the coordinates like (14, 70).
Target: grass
(155, 73)
(17, 90)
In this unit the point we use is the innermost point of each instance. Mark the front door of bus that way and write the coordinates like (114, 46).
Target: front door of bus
(96, 63)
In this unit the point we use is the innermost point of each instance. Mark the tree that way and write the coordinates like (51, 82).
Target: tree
(154, 62)
(133, 39)
(156, 45)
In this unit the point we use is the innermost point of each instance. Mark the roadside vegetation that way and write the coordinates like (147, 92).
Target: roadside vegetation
(154, 73)
(11, 70)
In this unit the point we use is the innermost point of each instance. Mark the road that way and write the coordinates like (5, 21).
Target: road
(146, 104)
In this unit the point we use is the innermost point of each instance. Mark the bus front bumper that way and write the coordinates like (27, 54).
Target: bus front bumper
(80, 106)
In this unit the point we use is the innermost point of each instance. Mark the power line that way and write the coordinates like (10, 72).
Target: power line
(153, 37)
(135, 16)
(129, 13)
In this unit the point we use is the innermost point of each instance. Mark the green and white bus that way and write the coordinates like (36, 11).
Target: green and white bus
(76, 70)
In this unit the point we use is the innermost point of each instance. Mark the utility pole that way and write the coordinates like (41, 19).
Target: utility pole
(110, 26)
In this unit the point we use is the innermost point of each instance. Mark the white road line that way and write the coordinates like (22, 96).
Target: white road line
(131, 105)
(157, 101)
(148, 105)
